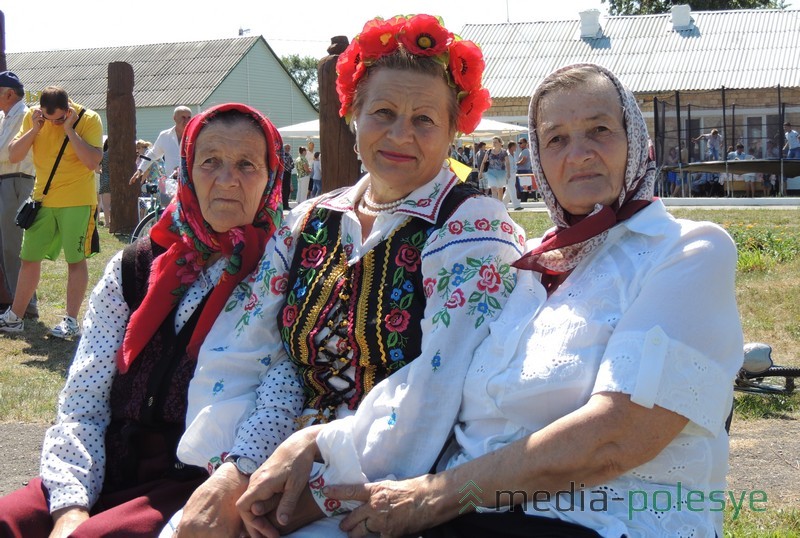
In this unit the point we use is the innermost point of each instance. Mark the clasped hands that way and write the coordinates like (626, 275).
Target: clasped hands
(278, 499)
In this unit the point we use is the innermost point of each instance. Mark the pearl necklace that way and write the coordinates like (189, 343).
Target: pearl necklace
(370, 207)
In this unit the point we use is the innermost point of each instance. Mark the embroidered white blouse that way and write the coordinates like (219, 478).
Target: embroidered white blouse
(467, 278)
(652, 314)
(73, 453)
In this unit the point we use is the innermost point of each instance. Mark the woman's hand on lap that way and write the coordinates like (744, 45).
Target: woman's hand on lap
(67, 520)
(211, 510)
(391, 508)
(278, 484)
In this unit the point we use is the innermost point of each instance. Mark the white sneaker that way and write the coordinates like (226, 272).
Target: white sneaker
(68, 328)
(10, 323)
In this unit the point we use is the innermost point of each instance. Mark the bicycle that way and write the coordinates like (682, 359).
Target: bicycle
(154, 211)
(760, 375)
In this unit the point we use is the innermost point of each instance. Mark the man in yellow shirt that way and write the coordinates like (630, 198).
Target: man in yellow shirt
(66, 217)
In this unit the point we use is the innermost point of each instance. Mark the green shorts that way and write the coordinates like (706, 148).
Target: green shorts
(72, 227)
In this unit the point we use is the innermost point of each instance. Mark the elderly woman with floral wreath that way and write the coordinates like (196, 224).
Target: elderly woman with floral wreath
(398, 275)
(595, 408)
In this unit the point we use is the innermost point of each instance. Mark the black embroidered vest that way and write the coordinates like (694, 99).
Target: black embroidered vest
(149, 401)
(375, 306)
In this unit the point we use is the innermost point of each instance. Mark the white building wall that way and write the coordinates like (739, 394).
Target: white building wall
(260, 81)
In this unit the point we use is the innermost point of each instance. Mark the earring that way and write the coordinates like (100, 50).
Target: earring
(355, 148)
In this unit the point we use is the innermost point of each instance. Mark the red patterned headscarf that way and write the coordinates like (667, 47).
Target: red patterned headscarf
(575, 237)
(190, 241)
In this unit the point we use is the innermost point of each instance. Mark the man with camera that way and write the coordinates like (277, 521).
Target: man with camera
(66, 140)
(16, 183)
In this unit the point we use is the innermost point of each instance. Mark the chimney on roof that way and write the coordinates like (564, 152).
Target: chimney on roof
(590, 23)
(681, 17)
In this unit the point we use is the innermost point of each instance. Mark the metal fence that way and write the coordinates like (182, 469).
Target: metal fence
(682, 120)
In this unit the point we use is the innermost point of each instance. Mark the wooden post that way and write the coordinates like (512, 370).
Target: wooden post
(3, 66)
(121, 114)
(340, 167)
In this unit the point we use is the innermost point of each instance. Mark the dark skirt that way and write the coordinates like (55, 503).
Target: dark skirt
(514, 524)
(140, 511)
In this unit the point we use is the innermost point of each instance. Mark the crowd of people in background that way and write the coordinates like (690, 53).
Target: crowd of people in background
(710, 148)
(64, 141)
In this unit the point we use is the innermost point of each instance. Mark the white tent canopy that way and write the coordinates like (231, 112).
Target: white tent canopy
(489, 127)
(486, 128)
(301, 130)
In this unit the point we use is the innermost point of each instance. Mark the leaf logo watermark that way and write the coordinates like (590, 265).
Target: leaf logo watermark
(469, 499)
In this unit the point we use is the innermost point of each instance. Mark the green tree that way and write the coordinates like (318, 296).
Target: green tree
(304, 71)
(650, 7)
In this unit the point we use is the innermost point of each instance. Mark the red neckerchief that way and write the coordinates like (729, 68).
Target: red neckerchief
(583, 230)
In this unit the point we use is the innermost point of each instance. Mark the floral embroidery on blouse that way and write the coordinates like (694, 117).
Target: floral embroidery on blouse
(425, 202)
(436, 361)
(457, 227)
(493, 278)
(333, 507)
(348, 245)
(253, 292)
(219, 386)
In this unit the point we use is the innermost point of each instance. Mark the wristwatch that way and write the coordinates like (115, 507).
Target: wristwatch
(245, 465)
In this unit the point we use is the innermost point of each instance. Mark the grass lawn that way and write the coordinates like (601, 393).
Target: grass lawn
(33, 366)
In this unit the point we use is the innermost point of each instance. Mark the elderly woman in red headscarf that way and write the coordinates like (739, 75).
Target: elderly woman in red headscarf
(597, 404)
(109, 464)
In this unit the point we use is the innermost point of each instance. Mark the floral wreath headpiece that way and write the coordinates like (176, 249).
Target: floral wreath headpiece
(420, 35)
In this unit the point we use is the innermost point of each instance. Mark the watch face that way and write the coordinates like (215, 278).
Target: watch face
(246, 465)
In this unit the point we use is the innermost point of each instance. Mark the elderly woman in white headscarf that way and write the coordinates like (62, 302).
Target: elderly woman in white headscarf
(597, 405)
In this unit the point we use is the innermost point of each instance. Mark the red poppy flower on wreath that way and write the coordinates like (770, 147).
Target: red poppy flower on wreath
(466, 64)
(379, 37)
(423, 35)
(471, 108)
(349, 70)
